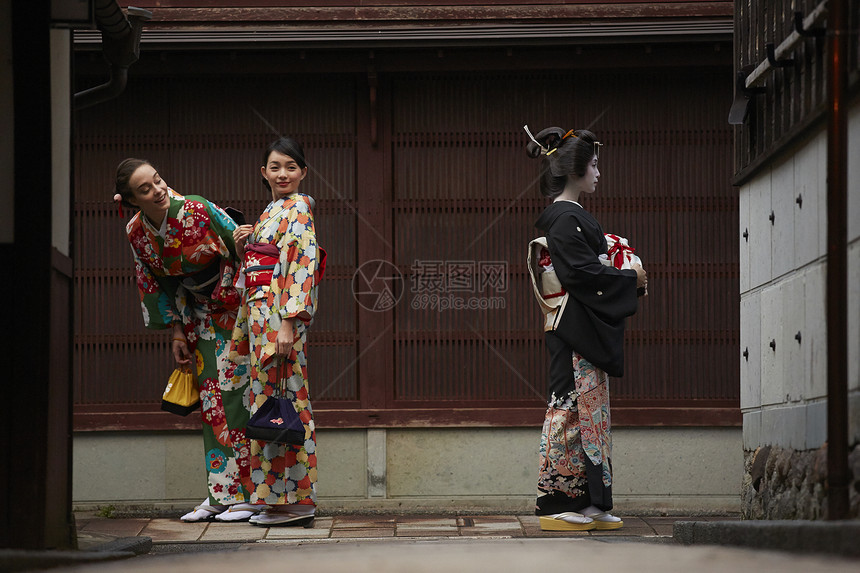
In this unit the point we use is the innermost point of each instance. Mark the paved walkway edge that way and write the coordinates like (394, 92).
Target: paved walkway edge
(12, 560)
(832, 537)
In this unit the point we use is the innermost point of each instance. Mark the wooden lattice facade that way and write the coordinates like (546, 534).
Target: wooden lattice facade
(417, 161)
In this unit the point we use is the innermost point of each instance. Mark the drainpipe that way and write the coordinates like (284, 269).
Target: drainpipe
(120, 47)
(837, 251)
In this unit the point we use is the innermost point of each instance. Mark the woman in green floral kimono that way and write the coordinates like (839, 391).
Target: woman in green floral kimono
(185, 263)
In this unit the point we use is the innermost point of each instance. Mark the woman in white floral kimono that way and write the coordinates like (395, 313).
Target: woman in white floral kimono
(282, 269)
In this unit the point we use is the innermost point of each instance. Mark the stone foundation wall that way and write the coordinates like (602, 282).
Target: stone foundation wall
(781, 483)
(656, 470)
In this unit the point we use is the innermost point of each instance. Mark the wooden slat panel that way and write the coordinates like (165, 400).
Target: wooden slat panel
(461, 190)
(210, 146)
(664, 185)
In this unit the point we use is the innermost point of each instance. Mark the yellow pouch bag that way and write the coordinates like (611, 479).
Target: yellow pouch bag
(181, 395)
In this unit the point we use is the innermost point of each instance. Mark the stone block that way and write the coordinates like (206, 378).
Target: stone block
(816, 424)
(795, 426)
(376, 462)
(815, 333)
(455, 461)
(782, 222)
(676, 461)
(773, 353)
(790, 344)
(342, 464)
(752, 429)
(760, 230)
(750, 349)
(773, 426)
(138, 464)
(184, 472)
(744, 240)
(821, 139)
(807, 184)
(797, 536)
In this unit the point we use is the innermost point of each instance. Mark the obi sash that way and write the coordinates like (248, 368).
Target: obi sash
(204, 281)
(260, 261)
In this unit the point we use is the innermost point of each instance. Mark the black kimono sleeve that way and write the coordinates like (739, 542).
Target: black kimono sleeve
(601, 297)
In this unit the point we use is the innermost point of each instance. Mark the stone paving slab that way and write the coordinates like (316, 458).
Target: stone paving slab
(357, 522)
(126, 527)
(296, 533)
(499, 526)
(427, 522)
(236, 532)
(163, 530)
(362, 533)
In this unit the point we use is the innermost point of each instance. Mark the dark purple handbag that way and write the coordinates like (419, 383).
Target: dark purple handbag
(276, 420)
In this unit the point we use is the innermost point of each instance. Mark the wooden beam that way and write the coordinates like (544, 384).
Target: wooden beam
(531, 416)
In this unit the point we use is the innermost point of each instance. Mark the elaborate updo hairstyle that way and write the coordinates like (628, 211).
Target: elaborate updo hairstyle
(288, 146)
(561, 155)
(124, 171)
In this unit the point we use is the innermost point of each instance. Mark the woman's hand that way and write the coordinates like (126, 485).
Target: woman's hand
(641, 276)
(286, 338)
(240, 235)
(179, 347)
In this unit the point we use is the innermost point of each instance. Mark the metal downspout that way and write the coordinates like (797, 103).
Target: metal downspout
(121, 48)
(837, 252)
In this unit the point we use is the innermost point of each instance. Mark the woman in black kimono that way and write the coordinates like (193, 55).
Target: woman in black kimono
(586, 345)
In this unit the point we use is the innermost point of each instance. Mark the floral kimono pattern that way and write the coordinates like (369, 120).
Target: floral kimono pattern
(281, 474)
(188, 275)
(576, 439)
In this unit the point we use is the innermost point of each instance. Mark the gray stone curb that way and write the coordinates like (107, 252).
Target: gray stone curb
(140, 545)
(799, 536)
(13, 560)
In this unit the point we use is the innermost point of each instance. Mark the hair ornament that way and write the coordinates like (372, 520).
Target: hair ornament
(118, 200)
(543, 149)
(561, 142)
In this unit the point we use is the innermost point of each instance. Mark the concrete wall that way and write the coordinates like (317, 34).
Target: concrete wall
(657, 470)
(61, 138)
(783, 324)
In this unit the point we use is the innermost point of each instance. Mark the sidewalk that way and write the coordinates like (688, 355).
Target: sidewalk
(171, 534)
(417, 544)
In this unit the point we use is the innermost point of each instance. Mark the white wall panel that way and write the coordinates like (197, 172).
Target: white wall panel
(815, 334)
(751, 351)
(790, 349)
(822, 192)
(806, 182)
(772, 352)
(760, 231)
(782, 225)
(744, 242)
